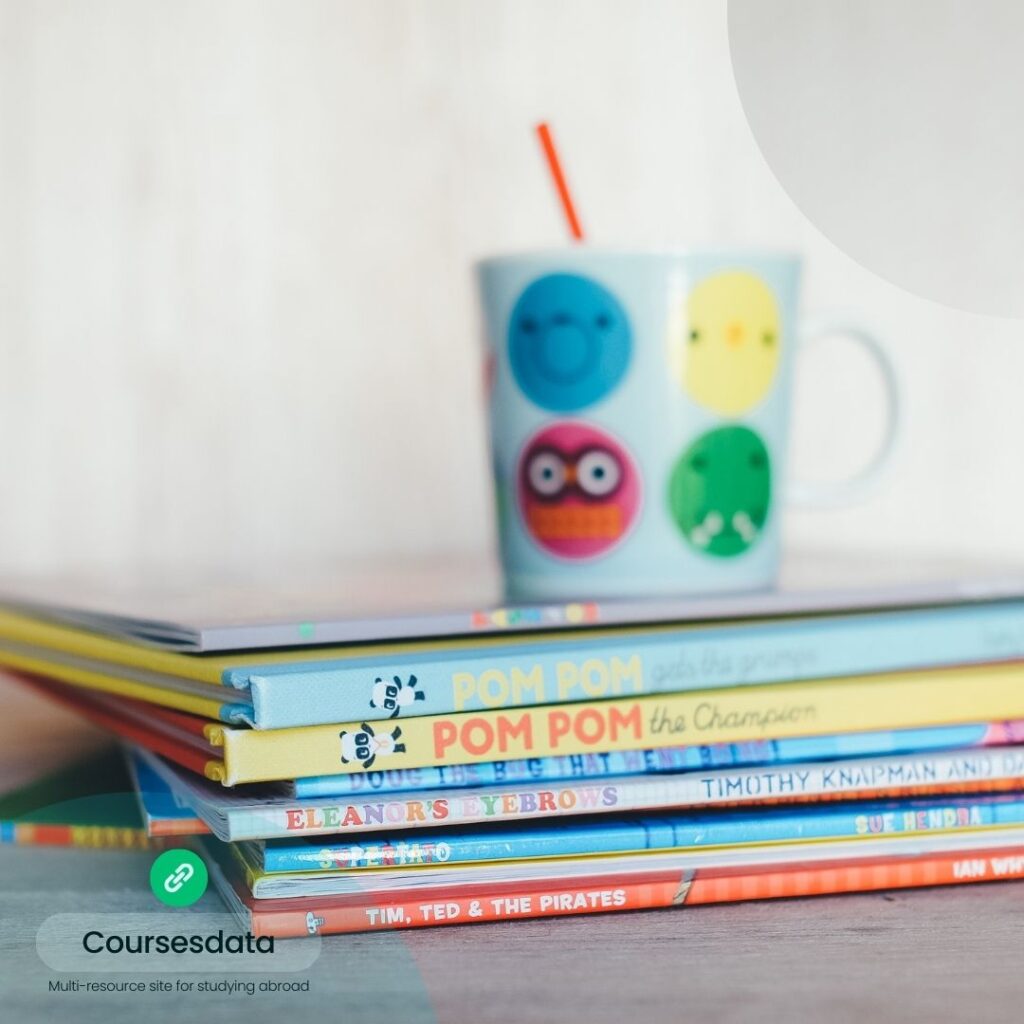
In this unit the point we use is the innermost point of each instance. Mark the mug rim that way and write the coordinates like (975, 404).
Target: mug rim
(666, 252)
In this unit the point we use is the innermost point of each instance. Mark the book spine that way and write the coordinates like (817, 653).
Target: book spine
(987, 769)
(596, 665)
(668, 759)
(165, 827)
(155, 734)
(678, 889)
(671, 832)
(90, 680)
(26, 631)
(108, 837)
(470, 847)
(490, 904)
(858, 704)
(162, 812)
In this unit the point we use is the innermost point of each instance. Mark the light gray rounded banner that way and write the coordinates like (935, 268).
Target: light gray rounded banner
(894, 128)
(64, 941)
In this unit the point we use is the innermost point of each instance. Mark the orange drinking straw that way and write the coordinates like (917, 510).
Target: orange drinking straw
(557, 175)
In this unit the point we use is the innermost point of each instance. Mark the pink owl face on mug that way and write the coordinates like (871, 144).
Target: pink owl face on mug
(579, 490)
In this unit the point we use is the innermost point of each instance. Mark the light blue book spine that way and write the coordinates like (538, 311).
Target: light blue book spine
(595, 666)
(670, 759)
(159, 803)
(671, 832)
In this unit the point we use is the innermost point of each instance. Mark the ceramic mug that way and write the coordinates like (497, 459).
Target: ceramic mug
(639, 406)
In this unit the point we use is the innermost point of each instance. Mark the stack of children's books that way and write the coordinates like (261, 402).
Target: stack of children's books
(346, 773)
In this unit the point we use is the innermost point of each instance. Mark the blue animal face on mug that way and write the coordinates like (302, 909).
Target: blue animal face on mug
(569, 342)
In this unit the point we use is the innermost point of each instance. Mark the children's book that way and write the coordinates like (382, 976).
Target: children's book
(667, 759)
(89, 802)
(283, 608)
(679, 882)
(163, 813)
(265, 812)
(858, 704)
(399, 680)
(386, 882)
(581, 837)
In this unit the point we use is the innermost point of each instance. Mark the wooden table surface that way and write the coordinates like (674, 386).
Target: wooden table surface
(930, 956)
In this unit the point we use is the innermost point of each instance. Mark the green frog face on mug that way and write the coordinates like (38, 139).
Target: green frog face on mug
(720, 490)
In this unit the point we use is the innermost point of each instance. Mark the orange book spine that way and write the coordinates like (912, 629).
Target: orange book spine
(179, 827)
(99, 836)
(497, 903)
(667, 889)
(189, 754)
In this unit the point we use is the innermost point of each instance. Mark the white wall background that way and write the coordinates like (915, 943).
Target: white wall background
(236, 314)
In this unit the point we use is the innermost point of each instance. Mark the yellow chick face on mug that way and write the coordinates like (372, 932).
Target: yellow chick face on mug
(728, 344)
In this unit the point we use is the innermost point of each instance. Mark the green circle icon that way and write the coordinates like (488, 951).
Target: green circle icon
(178, 878)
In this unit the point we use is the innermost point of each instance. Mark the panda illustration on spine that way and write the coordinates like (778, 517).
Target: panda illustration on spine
(365, 745)
(395, 695)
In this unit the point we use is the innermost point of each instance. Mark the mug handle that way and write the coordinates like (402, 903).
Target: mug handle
(834, 494)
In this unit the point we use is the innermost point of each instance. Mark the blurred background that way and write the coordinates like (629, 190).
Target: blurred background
(237, 316)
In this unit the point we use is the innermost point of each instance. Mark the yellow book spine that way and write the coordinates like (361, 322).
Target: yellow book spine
(23, 629)
(98, 836)
(109, 837)
(820, 707)
(90, 680)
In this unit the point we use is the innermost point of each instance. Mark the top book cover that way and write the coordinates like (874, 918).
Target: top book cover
(430, 600)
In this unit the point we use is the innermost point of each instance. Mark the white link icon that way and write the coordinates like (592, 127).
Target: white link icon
(184, 871)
